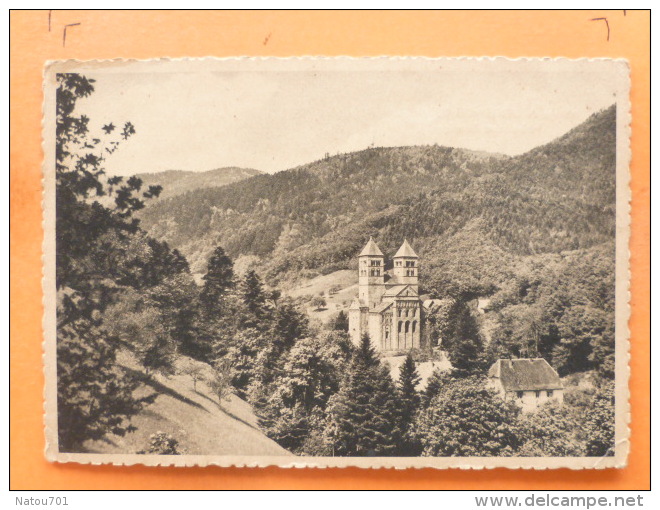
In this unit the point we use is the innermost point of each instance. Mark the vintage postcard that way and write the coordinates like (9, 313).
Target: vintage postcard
(319, 262)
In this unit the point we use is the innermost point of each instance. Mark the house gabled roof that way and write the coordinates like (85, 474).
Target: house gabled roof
(371, 249)
(406, 250)
(525, 374)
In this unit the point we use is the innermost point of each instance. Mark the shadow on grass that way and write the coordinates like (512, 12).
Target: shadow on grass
(161, 389)
(228, 413)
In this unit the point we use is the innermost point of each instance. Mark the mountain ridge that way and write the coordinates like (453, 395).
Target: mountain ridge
(313, 219)
(177, 182)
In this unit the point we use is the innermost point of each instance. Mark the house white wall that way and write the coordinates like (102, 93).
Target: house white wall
(528, 400)
(531, 400)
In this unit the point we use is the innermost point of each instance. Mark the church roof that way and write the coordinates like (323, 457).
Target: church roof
(405, 250)
(525, 374)
(380, 308)
(397, 290)
(371, 249)
(356, 304)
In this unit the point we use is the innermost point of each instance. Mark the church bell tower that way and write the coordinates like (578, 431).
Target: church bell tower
(371, 274)
(406, 266)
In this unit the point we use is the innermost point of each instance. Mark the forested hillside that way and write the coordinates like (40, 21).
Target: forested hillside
(177, 182)
(314, 219)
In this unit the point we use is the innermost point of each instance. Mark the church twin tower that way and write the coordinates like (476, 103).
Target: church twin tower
(387, 307)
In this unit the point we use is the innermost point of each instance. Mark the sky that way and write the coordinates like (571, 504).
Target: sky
(273, 115)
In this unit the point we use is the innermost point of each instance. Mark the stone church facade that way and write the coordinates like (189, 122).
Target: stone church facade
(388, 306)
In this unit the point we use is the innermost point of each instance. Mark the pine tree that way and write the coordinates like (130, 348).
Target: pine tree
(340, 323)
(289, 325)
(433, 386)
(407, 389)
(219, 278)
(363, 416)
(409, 401)
(465, 349)
(254, 299)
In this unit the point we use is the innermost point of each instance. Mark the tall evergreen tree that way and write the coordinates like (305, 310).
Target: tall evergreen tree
(433, 386)
(465, 347)
(289, 325)
(340, 322)
(254, 299)
(407, 388)
(364, 419)
(409, 401)
(218, 280)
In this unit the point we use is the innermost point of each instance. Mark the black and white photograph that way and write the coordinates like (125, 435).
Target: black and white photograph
(370, 262)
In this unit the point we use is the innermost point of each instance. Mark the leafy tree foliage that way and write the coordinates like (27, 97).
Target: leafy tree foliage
(553, 431)
(318, 303)
(220, 384)
(468, 419)
(560, 308)
(138, 325)
(407, 387)
(94, 395)
(292, 402)
(161, 443)
(101, 255)
(600, 427)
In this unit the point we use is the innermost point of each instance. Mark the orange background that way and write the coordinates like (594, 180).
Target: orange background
(131, 34)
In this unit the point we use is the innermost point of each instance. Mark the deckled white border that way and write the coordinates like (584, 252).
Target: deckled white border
(622, 290)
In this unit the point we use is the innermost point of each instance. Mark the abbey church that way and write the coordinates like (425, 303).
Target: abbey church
(388, 306)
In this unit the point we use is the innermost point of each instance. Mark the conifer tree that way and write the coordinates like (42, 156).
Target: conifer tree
(433, 386)
(409, 401)
(340, 323)
(363, 416)
(219, 278)
(407, 384)
(254, 299)
(466, 348)
(289, 325)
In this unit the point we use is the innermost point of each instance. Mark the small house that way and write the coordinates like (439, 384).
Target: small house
(528, 382)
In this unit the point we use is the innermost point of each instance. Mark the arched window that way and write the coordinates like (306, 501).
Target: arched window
(414, 327)
(407, 326)
(400, 326)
